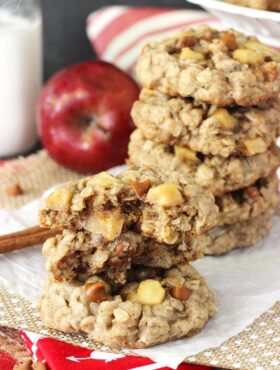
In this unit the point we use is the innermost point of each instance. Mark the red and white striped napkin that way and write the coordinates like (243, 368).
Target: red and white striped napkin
(118, 33)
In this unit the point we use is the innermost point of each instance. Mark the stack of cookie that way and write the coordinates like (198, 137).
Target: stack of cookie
(119, 268)
(209, 112)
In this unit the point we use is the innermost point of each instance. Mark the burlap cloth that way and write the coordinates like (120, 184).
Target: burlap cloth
(34, 174)
(257, 347)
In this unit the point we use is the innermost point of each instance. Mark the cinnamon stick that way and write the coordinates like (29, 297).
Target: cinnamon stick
(25, 238)
(29, 231)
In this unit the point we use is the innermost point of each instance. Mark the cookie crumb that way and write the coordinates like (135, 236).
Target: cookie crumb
(14, 189)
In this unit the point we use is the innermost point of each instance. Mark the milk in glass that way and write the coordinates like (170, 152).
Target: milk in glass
(20, 74)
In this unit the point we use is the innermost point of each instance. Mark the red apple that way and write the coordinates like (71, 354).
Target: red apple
(84, 116)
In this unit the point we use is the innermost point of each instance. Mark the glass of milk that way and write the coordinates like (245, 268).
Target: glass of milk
(20, 74)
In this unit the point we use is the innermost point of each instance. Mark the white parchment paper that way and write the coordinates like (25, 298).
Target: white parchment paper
(247, 283)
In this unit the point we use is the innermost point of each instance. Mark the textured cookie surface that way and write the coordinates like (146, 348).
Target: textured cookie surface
(221, 68)
(73, 255)
(108, 205)
(143, 313)
(214, 173)
(249, 202)
(206, 128)
(222, 239)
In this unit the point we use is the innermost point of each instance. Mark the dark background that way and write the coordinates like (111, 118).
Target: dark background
(65, 40)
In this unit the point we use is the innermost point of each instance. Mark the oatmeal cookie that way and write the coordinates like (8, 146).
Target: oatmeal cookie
(258, 4)
(108, 205)
(80, 254)
(177, 303)
(249, 202)
(77, 253)
(223, 239)
(214, 173)
(74, 255)
(221, 68)
(206, 128)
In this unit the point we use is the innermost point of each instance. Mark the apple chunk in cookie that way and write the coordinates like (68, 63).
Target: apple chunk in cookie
(108, 205)
(173, 304)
